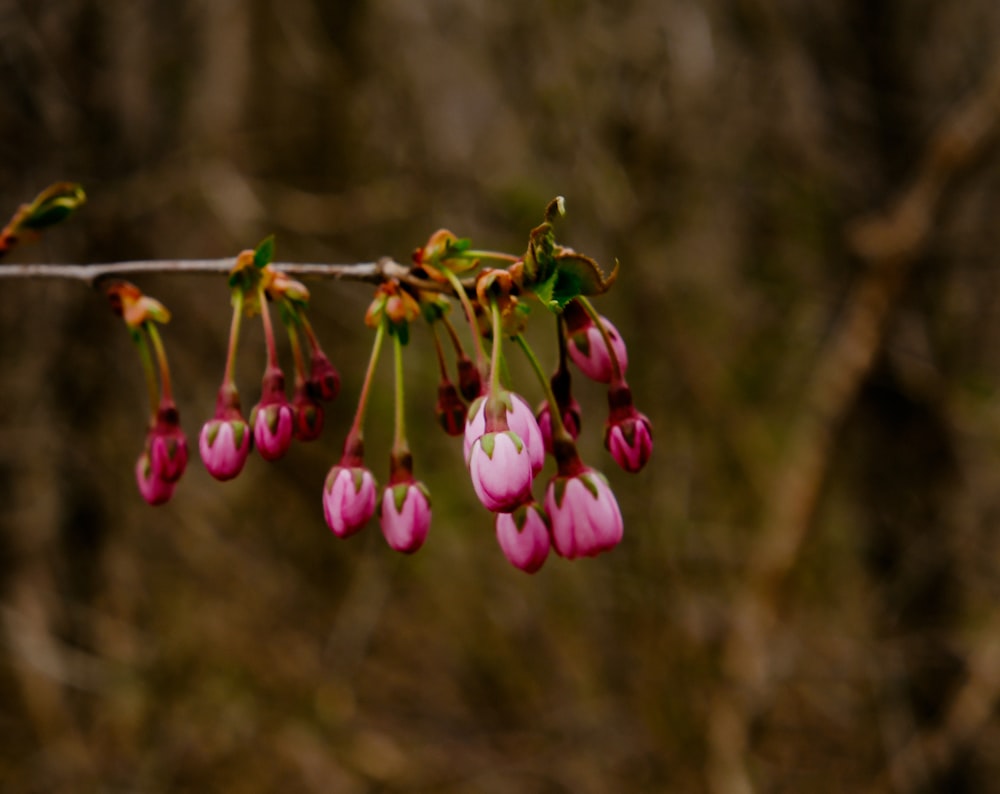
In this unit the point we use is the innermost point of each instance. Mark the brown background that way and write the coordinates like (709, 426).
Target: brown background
(806, 595)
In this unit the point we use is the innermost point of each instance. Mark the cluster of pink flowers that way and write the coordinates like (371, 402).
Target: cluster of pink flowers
(506, 443)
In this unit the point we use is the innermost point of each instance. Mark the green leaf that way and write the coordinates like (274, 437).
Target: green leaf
(264, 252)
(53, 205)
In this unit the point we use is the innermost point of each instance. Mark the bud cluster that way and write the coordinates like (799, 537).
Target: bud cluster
(506, 443)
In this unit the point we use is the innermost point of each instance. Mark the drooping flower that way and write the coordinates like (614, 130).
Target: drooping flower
(324, 380)
(586, 519)
(630, 441)
(167, 445)
(588, 349)
(272, 418)
(224, 442)
(451, 411)
(153, 489)
(628, 434)
(500, 467)
(348, 499)
(224, 445)
(405, 515)
(570, 418)
(308, 413)
(520, 419)
(523, 536)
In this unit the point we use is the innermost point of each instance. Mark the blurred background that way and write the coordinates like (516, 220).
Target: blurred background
(803, 198)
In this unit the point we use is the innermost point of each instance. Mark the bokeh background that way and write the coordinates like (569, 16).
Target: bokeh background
(803, 198)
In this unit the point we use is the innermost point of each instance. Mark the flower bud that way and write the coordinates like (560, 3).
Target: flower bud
(405, 515)
(153, 489)
(324, 380)
(589, 352)
(585, 516)
(523, 536)
(348, 499)
(520, 419)
(273, 427)
(308, 415)
(224, 445)
(630, 441)
(571, 421)
(470, 380)
(500, 467)
(451, 411)
(167, 446)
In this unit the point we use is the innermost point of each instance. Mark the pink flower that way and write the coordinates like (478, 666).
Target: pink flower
(570, 418)
(167, 446)
(520, 419)
(273, 427)
(500, 467)
(348, 499)
(224, 445)
(405, 515)
(630, 441)
(523, 536)
(585, 516)
(589, 352)
(153, 489)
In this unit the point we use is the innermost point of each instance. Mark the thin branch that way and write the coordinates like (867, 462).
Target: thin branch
(91, 275)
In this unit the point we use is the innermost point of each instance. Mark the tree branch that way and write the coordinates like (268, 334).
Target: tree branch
(91, 275)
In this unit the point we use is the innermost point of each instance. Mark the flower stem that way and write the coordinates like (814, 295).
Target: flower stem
(470, 315)
(588, 307)
(559, 431)
(399, 445)
(265, 316)
(234, 337)
(493, 256)
(148, 370)
(161, 358)
(357, 427)
(293, 341)
(439, 351)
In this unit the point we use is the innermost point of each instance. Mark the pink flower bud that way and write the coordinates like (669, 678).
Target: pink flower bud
(523, 536)
(630, 441)
(308, 415)
(273, 426)
(405, 515)
(348, 499)
(324, 380)
(167, 446)
(571, 421)
(451, 411)
(500, 467)
(224, 445)
(585, 516)
(589, 352)
(520, 419)
(153, 489)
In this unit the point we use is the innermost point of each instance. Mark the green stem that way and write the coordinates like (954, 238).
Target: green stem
(399, 445)
(470, 315)
(299, 361)
(234, 337)
(493, 256)
(616, 370)
(496, 363)
(161, 358)
(265, 316)
(559, 431)
(357, 428)
(148, 370)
